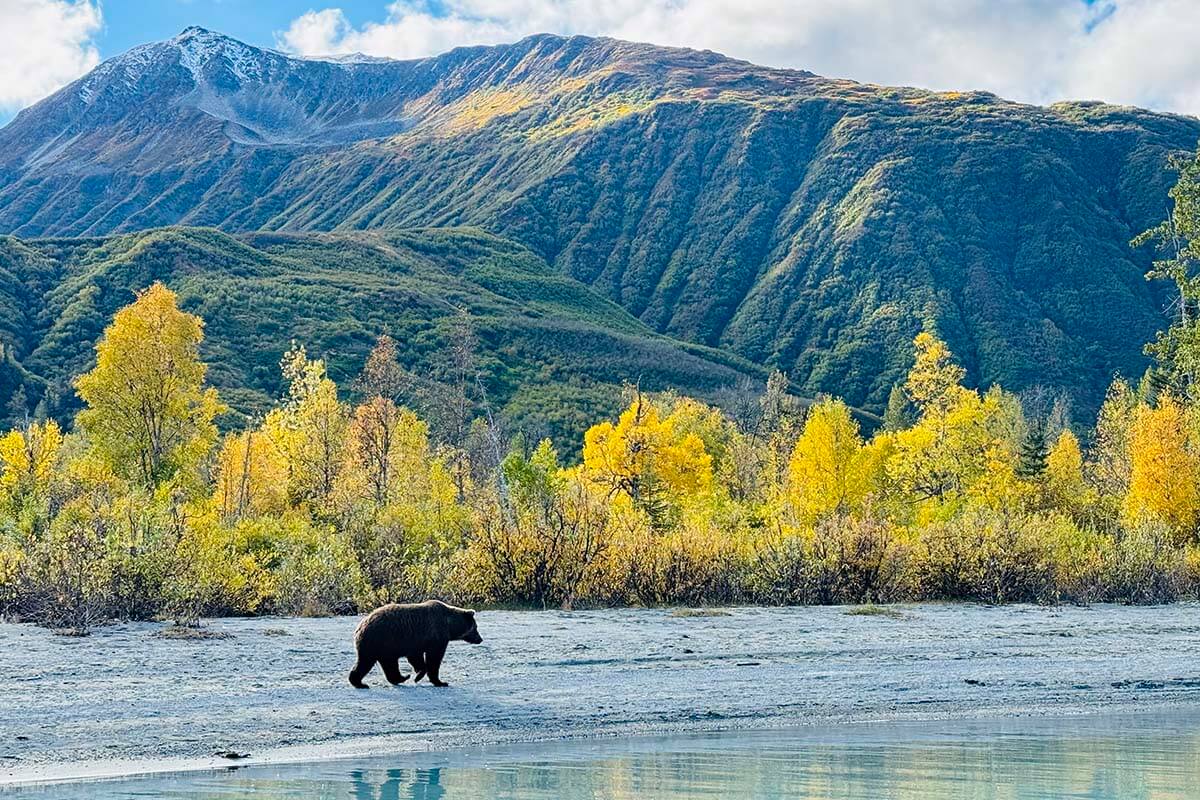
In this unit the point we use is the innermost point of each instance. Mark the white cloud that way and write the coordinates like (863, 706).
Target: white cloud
(44, 44)
(1146, 52)
(1129, 51)
(411, 31)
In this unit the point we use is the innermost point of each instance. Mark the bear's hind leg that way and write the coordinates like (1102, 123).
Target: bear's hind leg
(391, 669)
(361, 668)
(417, 662)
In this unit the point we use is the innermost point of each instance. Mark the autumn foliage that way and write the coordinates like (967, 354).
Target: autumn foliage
(333, 501)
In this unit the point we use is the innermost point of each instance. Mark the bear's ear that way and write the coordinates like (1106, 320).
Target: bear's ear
(470, 612)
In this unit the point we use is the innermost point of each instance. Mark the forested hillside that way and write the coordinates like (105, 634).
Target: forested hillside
(551, 353)
(805, 223)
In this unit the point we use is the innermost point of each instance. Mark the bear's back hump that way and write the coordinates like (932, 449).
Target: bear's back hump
(401, 624)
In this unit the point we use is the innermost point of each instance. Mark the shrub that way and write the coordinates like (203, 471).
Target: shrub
(67, 574)
(990, 556)
(537, 533)
(1145, 566)
(843, 559)
(316, 572)
(11, 568)
(857, 560)
(778, 569)
(224, 569)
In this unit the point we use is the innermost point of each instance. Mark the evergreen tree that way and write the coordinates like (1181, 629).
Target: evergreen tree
(1158, 382)
(774, 402)
(1177, 350)
(18, 407)
(1034, 450)
(899, 414)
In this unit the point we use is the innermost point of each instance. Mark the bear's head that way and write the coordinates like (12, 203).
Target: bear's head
(471, 635)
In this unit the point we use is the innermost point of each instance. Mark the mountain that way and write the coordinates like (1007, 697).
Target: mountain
(796, 221)
(551, 352)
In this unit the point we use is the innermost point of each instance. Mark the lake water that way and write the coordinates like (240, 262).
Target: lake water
(1126, 757)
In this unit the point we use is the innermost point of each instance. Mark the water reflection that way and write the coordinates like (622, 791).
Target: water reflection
(398, 784)
(1101, 758)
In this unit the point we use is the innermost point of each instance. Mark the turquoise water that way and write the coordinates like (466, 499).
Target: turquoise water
(1102, 758)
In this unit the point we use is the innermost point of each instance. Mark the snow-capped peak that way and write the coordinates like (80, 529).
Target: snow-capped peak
(199, 46)
(194, 49)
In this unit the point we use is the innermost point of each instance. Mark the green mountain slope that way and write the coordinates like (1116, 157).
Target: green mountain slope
(800, 222)
(551, 352)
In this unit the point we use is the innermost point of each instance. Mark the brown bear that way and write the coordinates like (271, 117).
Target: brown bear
(418, 632)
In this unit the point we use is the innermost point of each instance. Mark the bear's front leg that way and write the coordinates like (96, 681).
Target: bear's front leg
(433, 663)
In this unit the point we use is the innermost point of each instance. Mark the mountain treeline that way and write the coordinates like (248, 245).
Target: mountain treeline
(324, 506)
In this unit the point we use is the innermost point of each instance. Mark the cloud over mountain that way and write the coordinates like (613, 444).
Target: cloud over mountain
(1123, 51)
(45, 44)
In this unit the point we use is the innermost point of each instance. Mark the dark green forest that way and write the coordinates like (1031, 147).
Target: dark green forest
(551, 354)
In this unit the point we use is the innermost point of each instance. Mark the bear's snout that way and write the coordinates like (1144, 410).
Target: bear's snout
(473, 638)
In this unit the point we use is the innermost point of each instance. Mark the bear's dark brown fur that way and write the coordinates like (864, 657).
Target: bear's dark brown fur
(418, 632)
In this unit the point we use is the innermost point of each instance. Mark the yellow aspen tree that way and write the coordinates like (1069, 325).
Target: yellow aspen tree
(371, 445)
(645, 458)
(935, 380)
(28, 458)
(147, 412)
(1066, 489)
(389, 448)
(736, 457)
(310, 428)
(28, 461)
(827, 472)
(251, 476)
(998, 486)
(1163, 470)
(374, 424)
(944, 456)
(382, 375)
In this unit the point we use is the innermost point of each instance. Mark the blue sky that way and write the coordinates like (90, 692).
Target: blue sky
(46, 43)
(1037, 51)
(128, 23)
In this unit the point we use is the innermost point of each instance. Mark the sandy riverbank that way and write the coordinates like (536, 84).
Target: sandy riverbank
(125, 700)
